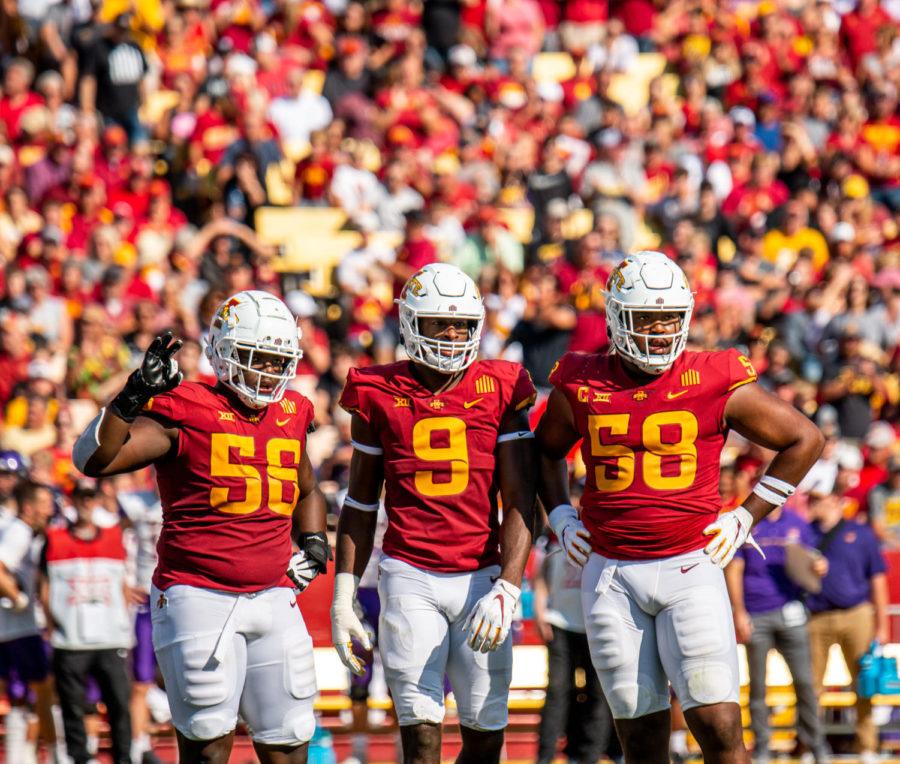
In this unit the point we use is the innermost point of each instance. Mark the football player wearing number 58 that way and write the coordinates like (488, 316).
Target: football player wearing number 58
(442, 432)
(653, 419)
(236, 484)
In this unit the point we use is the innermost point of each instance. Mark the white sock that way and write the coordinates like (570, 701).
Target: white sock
(16, 733)
(678, 742)
(93, 744)
(139, 746)
(60, 752)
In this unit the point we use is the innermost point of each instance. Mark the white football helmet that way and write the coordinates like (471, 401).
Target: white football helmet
(644, 282)
(253, 322)
(440, 290)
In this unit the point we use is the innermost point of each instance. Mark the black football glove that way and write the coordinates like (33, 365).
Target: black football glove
(312, 559)
(158, 374)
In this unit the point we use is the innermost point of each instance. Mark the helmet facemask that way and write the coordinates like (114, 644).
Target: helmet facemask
(635, 346)
(239, 357)
(444, 356)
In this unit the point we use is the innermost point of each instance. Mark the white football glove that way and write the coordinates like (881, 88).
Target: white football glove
(571, 533)
(730, 532)
(345, 626)
(490, 620)
(302, 570)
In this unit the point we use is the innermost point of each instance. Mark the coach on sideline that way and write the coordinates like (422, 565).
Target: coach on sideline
(851, 609)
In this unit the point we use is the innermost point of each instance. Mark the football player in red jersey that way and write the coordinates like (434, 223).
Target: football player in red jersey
(443, 433)
(652, 420)
(234, 478)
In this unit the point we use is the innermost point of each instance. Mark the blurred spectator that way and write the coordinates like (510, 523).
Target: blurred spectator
(300, 112)
(783, 244)
(769, 613)
(489, 246)
(543, 333)
(112, 74)
(851, 609)
(23, 658)
(854, 385)
(83, 591)
(560, 622)
(143, 511)
(884, 505)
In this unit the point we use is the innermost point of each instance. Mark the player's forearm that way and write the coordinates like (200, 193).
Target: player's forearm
(517, 462)
(100, 443)
(553, 482)
(515, 544)
(355, 539)
(734, 581)
(9, 587)
(879, 594)
(790, 465)
(311, 513)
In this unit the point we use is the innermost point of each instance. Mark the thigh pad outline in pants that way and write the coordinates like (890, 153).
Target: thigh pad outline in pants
(204, 693)
(696, 637)
(480, 681)
(414, 643)
(622, 640)
(280, 687)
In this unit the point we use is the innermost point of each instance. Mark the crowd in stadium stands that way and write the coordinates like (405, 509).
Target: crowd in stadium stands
(757, 143)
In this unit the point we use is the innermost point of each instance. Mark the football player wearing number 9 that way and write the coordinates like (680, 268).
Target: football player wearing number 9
(442, 431)
(234, 480)
(653, 419)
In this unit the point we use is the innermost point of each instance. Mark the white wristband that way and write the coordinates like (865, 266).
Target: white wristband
(365, 448)
(778, 484)
(349, 501)
(773, 490)
(345, 585)
(88, 442)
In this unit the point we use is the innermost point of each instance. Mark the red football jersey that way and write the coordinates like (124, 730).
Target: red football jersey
(230, 489)
(652, 451)
(440, 491)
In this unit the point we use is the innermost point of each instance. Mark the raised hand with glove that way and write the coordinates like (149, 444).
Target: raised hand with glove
(311, 559)
(572, 534)
(730, 531)
(345, 624)
(490, 620)
(158, 374)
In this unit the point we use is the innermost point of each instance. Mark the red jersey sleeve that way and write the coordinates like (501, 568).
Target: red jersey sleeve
(734, 370)
(524, 393)
(559, 372)
(566, 370)
(353, 397)
(169, 406)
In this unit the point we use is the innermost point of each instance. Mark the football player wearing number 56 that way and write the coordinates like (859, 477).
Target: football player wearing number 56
(442, 432)
(235, 482)
(653, 419)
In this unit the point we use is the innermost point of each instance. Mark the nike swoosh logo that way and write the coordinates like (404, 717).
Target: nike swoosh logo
(293, 603)
(282, 422)
(686, 568)
(671, 396)
(469, 404)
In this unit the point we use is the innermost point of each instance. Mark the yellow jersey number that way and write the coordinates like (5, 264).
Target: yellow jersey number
(454, 455)
(652, 456)
(279, 471)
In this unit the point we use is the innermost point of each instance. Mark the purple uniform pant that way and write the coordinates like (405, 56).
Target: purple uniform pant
(22, 661)
(143, 658)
